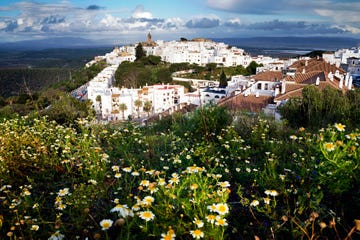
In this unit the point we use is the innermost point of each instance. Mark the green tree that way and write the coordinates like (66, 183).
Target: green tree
(223, 80)
(139, 52)
(123, 108)
(251, 69)
(138, 104)
(147, 107)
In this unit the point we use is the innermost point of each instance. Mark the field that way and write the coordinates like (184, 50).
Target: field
(203, 175)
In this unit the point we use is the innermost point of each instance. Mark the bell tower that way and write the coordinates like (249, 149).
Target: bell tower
(149, 38)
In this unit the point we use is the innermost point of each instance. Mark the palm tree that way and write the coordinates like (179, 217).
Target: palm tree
(123, 108)
(138, 104)
(147, 107)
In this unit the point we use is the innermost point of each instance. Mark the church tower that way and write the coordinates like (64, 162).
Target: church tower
(149, 38)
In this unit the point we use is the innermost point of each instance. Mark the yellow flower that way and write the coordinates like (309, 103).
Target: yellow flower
(115, 168)
(340, 127)
(198, 223)
(273, 193)
(63, 192)
(127, 169)
(329, 146)
(212, 208)
(224, 184)
(146, 215)
(267, 200)
(211, 218)
(222, 208)
(34, 227)
(117, 175)
(254, 203)
(170, 235)
(148, 200)
(144, 183)
(106, 224)
(220, 221)
(194, 186)
(197, 233)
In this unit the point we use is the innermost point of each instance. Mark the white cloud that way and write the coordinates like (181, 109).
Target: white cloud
(139, 12)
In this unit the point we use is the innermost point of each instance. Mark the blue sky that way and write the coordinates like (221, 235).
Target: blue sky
(120, 21)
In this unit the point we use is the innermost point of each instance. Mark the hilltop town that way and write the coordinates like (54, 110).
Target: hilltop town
(274, 83)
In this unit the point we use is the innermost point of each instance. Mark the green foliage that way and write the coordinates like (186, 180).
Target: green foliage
(223, 80)
(201, 171)
(139, 52)
(319, 109)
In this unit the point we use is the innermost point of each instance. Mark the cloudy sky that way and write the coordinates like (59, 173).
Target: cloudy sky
(120, 21)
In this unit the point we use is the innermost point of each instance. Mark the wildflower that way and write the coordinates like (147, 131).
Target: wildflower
(212, 208)
(211, 218)
(152, 187)
(34, 227)
(340, 127)
(135, 173)
(267, 200)
(144, 183)
(221, 221)
(148, 200)
(36, 205)
(274, 193)
(92, 181)
(293, 137)
(282, 177)
(197, 233)
(194, 186)
(127, 169)
(161, 182)
(170, 235)
(115, 168)
(146, 215)
(301, 129)
(106, 224)
(329, 146)
(224, 184)
(123, 210)
(56, 236)
(27, 192)
(63, 192)
(222, 208)
(237, 169)
(117, 175)
(254, 203)
(198, 223)
(61, 206)
(174, 180)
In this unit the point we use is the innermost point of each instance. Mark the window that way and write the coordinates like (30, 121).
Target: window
(259, 86)
(266, 86)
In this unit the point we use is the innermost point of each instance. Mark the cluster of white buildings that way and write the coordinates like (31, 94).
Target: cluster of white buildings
(278, 79)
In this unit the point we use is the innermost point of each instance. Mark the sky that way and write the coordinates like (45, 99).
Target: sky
(129, 21)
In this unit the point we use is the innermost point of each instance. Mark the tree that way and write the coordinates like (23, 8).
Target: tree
(147, 107)
(139, 52)
(123, 108)
(138, 103)
(223, 80)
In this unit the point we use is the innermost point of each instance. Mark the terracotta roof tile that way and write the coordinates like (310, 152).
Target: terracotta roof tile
(269, 76)
(250, 102)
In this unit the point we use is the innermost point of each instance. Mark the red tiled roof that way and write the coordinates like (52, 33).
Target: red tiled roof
(251, 102)
(272, 76)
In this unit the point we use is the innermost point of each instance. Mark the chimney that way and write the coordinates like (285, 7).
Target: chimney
(341, 83)
(306, 63)
(303, 71)
(283, 87)
(277, 91)
(347, 79)
(257, 94)
(350, 83)
(317, 81)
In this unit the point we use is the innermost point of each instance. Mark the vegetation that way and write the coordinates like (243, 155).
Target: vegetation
(318, 109)
(197, 176)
